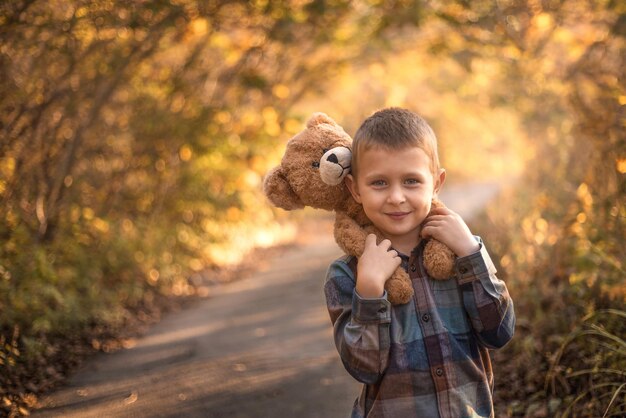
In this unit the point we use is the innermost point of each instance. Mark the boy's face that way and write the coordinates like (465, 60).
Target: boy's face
(396, 188)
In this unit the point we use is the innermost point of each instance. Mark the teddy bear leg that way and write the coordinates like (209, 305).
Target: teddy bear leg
(399, 287)
(438, 260)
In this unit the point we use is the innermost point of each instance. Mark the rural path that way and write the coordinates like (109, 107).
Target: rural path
(261, 346)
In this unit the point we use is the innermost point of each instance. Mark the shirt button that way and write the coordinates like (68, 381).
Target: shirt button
(439, 372)
(413, 268)
(463, 270)
(382, 310)
(426, 317)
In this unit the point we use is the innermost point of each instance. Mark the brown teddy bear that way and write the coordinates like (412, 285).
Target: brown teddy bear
(311, 173)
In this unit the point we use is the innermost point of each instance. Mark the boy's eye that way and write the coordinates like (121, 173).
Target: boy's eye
(412, 181)
(378, 183)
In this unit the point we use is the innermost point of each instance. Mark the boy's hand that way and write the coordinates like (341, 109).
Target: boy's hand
(449, 228)
(375, 267)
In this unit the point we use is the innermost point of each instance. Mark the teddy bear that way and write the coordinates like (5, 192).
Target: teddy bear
(311, 173)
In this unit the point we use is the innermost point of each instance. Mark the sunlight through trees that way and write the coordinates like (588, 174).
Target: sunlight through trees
(135, 136)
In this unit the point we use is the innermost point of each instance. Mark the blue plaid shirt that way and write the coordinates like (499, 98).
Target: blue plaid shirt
(429, 357)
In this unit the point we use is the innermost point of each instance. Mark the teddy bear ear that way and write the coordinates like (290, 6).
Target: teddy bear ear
(279, 192)
(319, 118)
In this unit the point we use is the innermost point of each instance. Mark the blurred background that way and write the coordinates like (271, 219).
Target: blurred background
(135, 136)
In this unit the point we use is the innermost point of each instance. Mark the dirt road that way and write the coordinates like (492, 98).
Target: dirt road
(258, 347)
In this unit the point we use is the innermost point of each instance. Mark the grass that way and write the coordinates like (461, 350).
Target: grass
(589, 368)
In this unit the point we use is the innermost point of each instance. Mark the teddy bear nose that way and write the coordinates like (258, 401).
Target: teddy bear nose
(332, 158)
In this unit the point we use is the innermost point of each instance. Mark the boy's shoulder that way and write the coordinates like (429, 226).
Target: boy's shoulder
(346, 259)
(343, 266)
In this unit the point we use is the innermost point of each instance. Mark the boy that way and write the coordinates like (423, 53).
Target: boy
(427, 358)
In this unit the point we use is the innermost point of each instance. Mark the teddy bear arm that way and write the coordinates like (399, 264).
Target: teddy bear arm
(349, 235)
(278, 190)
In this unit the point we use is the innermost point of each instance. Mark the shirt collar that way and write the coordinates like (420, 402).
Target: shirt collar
(415, 250)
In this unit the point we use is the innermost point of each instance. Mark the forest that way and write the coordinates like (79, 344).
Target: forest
(135, 135)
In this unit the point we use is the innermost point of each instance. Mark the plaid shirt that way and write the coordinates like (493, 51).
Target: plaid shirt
(427, 358)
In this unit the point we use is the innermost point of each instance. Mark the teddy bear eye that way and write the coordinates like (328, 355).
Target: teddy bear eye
(325, 150)
(315, 164)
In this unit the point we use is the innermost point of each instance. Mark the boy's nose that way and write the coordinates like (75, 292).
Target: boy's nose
(396, 195)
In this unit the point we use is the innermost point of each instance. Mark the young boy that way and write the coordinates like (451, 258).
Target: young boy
(427, 358)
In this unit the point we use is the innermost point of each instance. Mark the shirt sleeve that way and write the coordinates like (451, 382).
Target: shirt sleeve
(360, 325)
(486, 299)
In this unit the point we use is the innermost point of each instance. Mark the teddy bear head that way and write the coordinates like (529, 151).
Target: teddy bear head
(313, 167)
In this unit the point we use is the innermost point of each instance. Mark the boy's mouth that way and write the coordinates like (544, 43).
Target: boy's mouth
(397, 215)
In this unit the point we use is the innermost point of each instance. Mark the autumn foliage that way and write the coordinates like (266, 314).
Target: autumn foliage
(134, 138)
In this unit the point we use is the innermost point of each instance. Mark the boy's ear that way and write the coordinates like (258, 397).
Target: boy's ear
(352, 186)
(439, 180)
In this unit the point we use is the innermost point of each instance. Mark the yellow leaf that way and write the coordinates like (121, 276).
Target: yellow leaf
(101, 225)
(223, 117)
(81, 12)
(199, 26)
(541, 224)
(185, 153)
(293, 126)
(269, 114)
(233, 214)
(280, 91)
(543, 21)
(88, 213)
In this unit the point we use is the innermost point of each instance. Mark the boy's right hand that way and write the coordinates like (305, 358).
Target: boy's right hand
(375, 267)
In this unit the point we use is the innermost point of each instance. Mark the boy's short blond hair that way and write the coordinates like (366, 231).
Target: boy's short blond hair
(395, 128)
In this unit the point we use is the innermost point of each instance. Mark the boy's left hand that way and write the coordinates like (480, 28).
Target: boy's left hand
(448, 227)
